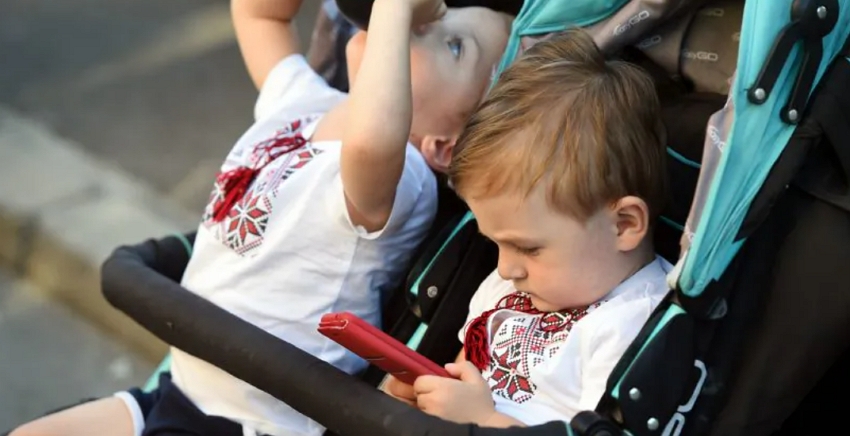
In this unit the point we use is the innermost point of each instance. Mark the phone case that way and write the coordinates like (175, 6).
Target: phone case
(377, 347)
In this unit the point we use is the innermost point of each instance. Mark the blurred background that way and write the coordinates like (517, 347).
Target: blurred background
(145, 96)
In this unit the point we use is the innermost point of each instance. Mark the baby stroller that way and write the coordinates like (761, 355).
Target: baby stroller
(753, 336)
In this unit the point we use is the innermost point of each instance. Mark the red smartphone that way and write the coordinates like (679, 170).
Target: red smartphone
(377, 347)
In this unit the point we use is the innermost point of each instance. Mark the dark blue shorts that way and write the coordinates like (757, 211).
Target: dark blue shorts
(167, 412)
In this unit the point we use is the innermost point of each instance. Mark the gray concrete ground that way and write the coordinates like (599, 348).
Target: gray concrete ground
(153, 88)
(156, 86)
(50, 357)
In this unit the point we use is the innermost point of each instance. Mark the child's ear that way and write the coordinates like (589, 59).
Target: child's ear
(632, 217)
(437, 151)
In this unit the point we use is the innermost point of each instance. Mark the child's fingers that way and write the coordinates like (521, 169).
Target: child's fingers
(454, 370)
(399, 389)
(432, 403)
(425, 384)
(465, 371)
(425, 403)
(401, 396)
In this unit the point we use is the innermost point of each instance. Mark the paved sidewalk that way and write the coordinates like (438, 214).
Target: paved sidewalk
(156, 87)
(50, 357)
(63, 211)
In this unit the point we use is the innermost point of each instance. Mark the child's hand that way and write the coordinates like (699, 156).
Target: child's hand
(426, 11)
(466, 399)
(400, 390)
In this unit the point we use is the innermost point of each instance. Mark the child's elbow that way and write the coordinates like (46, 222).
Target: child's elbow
(372, 220)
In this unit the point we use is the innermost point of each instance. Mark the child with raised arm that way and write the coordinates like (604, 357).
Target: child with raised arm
(563, 167)
(319, 205)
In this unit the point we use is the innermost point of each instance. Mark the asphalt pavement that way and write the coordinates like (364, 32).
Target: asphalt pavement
(156, 86)
(51, 357)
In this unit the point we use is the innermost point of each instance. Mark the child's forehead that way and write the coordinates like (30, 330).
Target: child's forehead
(512, 211)
(480, 21)
(525, 223)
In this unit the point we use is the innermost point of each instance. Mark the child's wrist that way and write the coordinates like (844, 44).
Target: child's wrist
(486, 415)
(498, 420)
(487, 419)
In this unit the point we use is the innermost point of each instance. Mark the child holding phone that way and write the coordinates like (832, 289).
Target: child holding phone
(563, 167)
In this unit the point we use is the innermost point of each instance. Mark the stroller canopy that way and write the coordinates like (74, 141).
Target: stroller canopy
(744, 141)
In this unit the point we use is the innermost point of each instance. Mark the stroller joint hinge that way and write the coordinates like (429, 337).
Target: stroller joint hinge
(811, 21)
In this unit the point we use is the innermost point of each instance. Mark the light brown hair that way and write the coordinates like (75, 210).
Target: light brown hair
(563, 115)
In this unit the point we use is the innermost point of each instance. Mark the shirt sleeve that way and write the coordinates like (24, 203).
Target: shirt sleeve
(578, 375)
(607, 345)
(293, 84)
(415, 202)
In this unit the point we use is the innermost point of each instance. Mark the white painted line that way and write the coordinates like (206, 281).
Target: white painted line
(201, 32)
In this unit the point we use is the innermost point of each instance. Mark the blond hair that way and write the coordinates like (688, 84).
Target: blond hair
(589, 129)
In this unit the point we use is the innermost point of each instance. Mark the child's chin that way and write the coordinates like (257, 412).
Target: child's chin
(541, 305)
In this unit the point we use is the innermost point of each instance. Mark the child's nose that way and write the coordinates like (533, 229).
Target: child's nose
(509, 269)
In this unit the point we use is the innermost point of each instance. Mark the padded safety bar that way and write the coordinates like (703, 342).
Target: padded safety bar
(342, 403)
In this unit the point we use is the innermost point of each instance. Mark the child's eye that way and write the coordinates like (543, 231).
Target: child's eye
(456, 46)
(528, 251)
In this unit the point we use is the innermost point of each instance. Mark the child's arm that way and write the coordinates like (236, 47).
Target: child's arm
(265, 32)
(380, 111)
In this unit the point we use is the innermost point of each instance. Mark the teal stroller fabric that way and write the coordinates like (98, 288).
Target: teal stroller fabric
(539, 17)
(613, 24)
(743, 141)
(742, 144)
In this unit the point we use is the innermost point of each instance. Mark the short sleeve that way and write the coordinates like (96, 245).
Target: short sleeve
(609, 341)
(488, 294)
(293, 84)
(415, 202)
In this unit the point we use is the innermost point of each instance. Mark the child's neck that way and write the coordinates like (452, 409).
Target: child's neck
(637, 259)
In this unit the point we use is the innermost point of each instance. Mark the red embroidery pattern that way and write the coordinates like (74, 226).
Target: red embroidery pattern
(296, 161)
(476, 340)
(246, 223)
(520, 344)
(243, 226)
